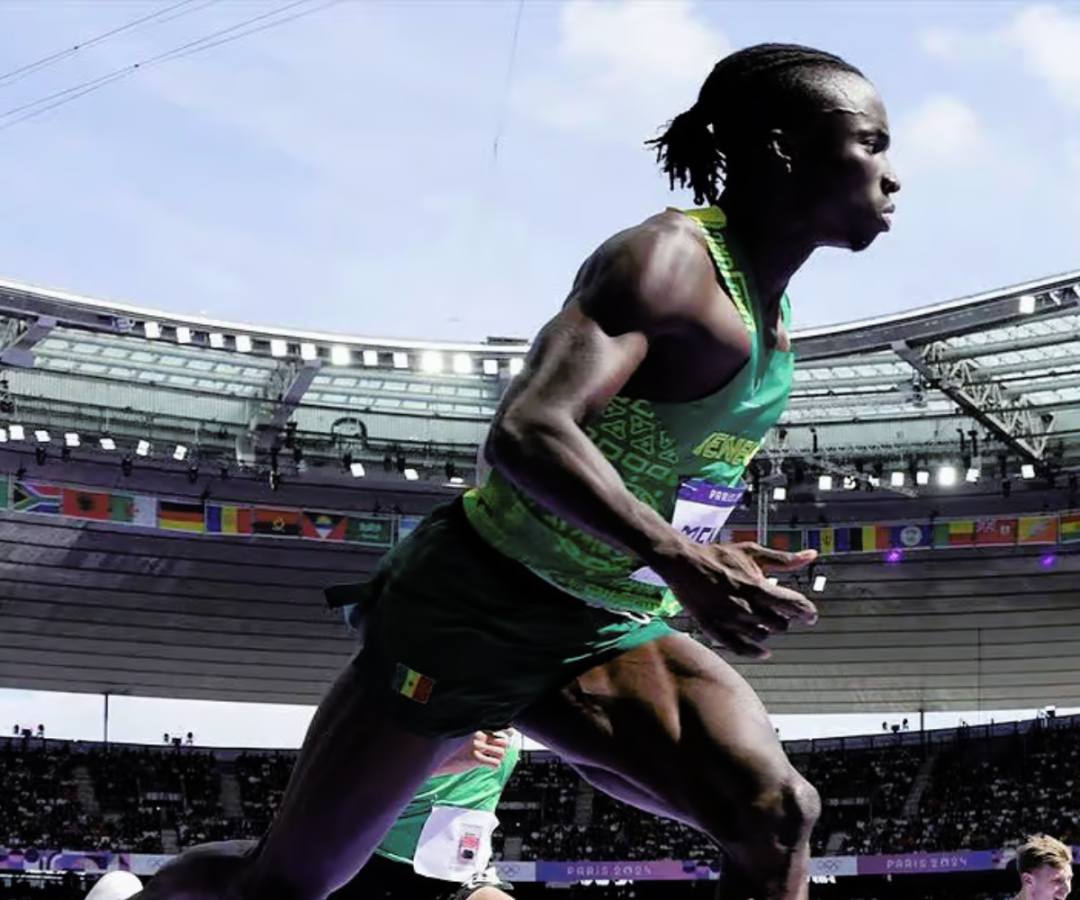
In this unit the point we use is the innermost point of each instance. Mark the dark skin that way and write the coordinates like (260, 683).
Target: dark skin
(648, 319)
(669, 727)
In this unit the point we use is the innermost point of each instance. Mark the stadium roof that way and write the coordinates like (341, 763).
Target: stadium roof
(1004, 365)
(92, 607)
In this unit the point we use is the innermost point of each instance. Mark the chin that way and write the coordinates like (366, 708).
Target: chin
(858, 242)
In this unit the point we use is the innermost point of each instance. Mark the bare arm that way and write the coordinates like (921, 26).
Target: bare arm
(627, 294)
(646, 284)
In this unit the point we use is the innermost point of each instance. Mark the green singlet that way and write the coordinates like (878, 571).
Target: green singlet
(478, 789)
(656, 448)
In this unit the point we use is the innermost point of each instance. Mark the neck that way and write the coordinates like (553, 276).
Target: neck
(773, 242)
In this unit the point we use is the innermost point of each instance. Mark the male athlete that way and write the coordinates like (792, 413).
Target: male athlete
(540, 598)
(1045, 868)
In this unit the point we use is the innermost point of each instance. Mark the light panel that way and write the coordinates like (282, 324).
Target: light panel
(431, 361)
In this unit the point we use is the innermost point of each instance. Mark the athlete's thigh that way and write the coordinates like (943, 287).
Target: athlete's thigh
(672, 723)
(357, 770)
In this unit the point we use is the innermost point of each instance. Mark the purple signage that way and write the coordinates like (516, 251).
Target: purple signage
(911, 863)
(33, 860)
(662, 870)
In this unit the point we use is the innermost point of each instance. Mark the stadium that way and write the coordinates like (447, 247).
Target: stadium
(177, 492)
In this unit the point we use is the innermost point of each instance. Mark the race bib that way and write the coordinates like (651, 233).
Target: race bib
(701, 510)
(455, 844)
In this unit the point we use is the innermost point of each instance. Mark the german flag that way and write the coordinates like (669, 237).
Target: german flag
(181, 515)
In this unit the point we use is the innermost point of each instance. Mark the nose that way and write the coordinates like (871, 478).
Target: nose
(890, 184)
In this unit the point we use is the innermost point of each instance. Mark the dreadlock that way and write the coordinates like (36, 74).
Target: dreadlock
(746, 93)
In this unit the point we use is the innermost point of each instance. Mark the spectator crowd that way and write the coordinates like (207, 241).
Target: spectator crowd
(975, 791)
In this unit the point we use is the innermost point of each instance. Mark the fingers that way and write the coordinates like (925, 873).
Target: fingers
(778, 560)
(771, 610)
(742, 645)
(491, 739)
(786, 602)
(489, 749)
(772, 621)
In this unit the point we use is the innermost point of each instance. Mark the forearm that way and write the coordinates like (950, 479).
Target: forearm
(555, 463)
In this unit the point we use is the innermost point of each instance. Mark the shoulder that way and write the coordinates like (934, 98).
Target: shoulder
(659, 270)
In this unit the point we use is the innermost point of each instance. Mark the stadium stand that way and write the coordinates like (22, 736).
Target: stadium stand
(979, 789)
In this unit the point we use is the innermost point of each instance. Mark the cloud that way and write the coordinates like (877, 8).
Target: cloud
(944, 43)
(942, 134)
(1046, 37)
(1049, 43)
(628, 64)
(952, 44)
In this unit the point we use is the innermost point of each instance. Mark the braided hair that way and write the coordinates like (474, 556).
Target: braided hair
(746, 94)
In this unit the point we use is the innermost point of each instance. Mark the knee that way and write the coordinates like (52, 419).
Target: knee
(488, 893)
(787, 809)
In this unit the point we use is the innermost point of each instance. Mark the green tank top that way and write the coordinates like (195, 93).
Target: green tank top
(478, 789)
(656, 448)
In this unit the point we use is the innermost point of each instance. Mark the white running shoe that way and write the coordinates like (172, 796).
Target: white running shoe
(115, 886)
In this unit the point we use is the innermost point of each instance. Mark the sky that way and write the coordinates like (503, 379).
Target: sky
(407, 168)
(337, 171)
(145, 720)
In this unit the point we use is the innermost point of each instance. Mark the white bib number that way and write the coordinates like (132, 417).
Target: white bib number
(701, 510)
(455, 844)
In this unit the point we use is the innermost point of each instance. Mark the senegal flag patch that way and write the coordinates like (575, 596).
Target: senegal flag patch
(412, 685)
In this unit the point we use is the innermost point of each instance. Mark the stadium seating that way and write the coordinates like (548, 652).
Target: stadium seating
(968, 789)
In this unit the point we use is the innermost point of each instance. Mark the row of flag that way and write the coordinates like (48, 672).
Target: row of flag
(1019, 530)
(192, 516)
(196, 517)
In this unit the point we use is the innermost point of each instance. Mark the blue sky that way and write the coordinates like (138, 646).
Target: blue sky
(337, 172)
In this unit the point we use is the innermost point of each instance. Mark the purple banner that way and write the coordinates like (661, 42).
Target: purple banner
(62, 861)
(960, 861)
(32, 860)
(663, 870)
(697, 491)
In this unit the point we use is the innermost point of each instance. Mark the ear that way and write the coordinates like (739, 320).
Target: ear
(781, 149)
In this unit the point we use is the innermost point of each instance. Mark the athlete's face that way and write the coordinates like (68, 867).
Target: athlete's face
(1048, 883)
(842, 172)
